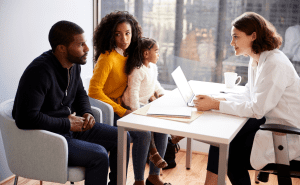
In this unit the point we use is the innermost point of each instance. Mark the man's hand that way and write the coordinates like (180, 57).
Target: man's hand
(204, 103)
(76, 122)
(89, 121)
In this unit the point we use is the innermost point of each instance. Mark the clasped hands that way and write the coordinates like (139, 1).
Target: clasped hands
(80, 124)
(204, 103)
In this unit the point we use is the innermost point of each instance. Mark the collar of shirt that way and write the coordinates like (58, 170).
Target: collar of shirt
(120, 51)
(148, 67)
(254, 64)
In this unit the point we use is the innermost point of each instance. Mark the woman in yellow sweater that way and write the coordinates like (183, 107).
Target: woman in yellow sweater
(115, 39)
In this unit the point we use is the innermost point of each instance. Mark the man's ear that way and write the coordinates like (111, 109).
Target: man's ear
(254, 36)
(61, 48)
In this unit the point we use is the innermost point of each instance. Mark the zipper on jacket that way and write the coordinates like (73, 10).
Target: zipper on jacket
(69, 109)
(66, 92)
(68, 82)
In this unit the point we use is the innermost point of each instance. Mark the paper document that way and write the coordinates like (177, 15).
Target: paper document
(143, 111)
(170, 111)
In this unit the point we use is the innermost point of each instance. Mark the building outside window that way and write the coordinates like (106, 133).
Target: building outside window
(195, 34)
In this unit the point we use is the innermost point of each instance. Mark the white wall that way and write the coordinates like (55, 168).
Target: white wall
(24, 29)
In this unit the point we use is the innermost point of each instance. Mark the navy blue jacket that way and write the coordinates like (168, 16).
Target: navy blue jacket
(47, 94)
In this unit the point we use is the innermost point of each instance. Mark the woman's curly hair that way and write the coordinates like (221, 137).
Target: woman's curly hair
(267, 37)
(136, 59)
(104, 39)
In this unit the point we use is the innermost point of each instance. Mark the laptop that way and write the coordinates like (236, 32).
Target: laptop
(183, 86)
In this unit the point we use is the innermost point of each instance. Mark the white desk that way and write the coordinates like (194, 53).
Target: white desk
(211, 127)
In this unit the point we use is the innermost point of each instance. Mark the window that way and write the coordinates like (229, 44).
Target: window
(195, 34)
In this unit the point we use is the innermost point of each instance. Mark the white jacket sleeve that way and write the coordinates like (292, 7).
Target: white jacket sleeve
(270, 86)
(241, 97)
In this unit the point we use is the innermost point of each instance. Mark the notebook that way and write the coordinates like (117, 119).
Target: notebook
(183, 86)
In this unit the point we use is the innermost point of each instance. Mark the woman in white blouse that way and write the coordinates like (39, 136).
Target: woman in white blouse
(272, 95)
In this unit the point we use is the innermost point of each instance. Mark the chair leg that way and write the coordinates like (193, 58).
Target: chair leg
(283, 174)
(16, 180)
(41, 182)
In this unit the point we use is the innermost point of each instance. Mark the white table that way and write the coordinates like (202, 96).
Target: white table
(211, 127)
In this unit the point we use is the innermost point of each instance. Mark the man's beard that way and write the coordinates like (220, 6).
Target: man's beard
(76, 60)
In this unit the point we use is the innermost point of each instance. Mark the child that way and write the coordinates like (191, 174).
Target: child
(143, 85)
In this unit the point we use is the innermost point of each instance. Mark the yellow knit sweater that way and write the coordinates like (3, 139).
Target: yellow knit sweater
(109, 80)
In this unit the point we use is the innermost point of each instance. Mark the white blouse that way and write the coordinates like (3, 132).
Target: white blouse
(142, 83)
(273, 91)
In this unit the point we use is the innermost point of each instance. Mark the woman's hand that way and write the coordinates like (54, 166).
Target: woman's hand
(127, 112)
(204, 103)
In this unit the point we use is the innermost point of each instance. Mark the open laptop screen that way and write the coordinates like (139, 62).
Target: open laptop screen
(182, 85)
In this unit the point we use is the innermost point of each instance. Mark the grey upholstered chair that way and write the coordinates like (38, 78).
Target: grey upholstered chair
(38, 154)
(108, 112)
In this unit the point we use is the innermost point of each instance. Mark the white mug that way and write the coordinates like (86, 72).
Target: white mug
(230, 79)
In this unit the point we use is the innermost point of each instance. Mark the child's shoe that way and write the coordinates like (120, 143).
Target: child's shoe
(157, 160)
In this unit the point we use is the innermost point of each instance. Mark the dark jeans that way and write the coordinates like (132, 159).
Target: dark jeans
(90, 150)
(239, 154)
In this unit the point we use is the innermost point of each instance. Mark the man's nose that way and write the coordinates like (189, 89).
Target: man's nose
(87, 48)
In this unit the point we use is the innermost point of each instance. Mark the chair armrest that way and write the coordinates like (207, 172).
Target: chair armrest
(107, 110)
(38, 154)
(97, 114)
(34, 154)
(280, 128)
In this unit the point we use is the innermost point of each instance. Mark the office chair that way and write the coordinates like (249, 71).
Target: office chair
(107, 110)
(283, 168)
(38, 154)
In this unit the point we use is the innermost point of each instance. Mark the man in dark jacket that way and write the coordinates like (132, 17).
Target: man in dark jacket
(51, 97)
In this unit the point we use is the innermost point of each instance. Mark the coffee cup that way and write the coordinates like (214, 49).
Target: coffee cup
(231, 78)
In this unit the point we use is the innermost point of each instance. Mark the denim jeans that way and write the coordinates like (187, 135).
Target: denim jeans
(141, 142)
(90, 150)
(161, 141)
(239, 154)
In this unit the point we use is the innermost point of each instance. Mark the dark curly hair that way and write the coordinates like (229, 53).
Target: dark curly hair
(267, 37)
(137, 58)
(104, 39)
